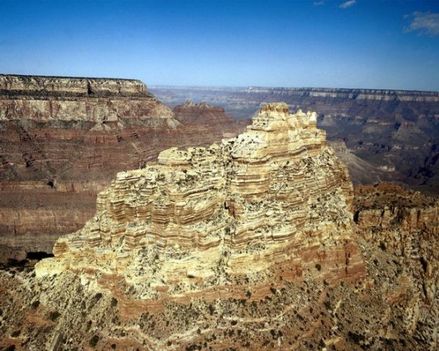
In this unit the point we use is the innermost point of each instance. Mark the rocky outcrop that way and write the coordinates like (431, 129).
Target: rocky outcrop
(400, 229)
(62, 140)
(276, 184)
(248, 244)
(104, 102)
(45, 86)
(405, 223)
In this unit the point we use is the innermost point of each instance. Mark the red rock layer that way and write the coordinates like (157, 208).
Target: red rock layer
(62, 140)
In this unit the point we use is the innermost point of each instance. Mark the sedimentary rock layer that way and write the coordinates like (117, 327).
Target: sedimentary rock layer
(62, 140)
(253, 214)
(269, 185)
(403, 226)
(395, 132)
(405, 223)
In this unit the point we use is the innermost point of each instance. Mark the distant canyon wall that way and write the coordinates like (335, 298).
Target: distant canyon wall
(391, 135)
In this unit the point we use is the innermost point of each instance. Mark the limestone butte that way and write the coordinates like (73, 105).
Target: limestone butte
(62, 140)
(273, 194)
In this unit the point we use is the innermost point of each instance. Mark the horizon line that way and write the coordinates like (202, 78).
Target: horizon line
(183, 86)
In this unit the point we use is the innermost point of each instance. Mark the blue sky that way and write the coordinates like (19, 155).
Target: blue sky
(355, 43)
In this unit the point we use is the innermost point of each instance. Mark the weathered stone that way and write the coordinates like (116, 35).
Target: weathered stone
(62, 140)
(273, 194)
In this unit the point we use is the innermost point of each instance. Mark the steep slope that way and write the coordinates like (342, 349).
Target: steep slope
(62, 140)
(208, 119)
(201, 113)
(360, 170)
(400, 231)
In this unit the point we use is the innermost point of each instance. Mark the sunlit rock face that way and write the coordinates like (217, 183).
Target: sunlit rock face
(109, 103)
(272, 195)
(62, 141)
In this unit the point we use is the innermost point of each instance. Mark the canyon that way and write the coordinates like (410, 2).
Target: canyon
(196, 228)
(393, 134)
(62, 140)
(256, 242)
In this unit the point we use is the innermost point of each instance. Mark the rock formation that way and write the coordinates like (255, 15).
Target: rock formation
(395, 132)
(273, 192)
(405, 223)
(62, 140)
(403, 227)
(235, 220)
(249, 244)
(106, 103)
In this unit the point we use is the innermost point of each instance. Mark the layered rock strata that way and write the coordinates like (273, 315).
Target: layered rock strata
(400, 228)
(405, 223)
(62, 140)
(245, 245)
(105, 102)
(206, 226)
(209, 118)
(396, 132)
(276, 190)
(201, 113)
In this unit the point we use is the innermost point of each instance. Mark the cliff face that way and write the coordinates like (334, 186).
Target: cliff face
(406, 224)
(105, 103)
(400, 229)
(352, 94)
(45, 86)
(277, 184)
(62, 140)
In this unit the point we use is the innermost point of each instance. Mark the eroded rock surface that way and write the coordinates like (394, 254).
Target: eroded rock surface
(249, 244)
(210, 224)
(394, 133)
(62, 140)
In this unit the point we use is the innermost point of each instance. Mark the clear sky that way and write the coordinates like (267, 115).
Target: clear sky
(321, 43)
